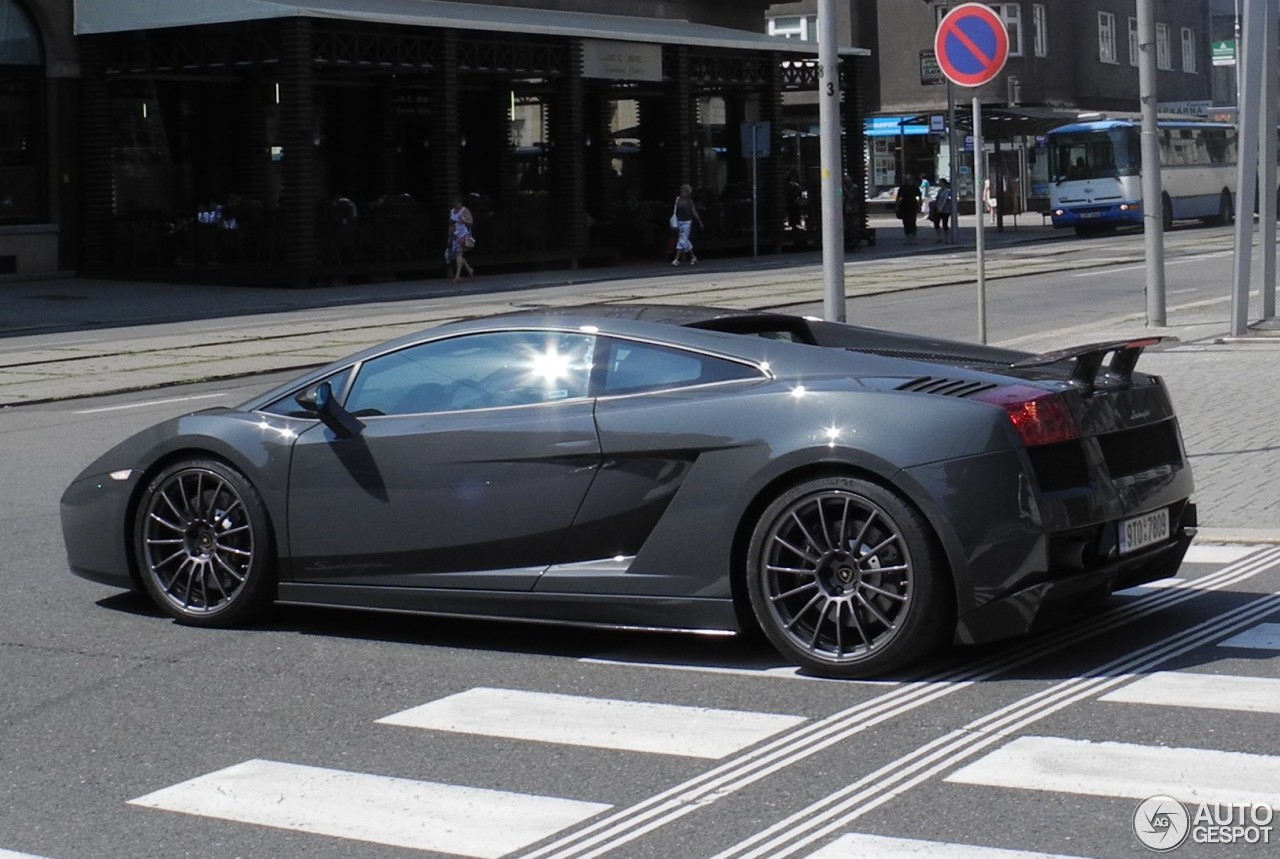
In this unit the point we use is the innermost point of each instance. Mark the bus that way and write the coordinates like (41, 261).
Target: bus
(1095, 173)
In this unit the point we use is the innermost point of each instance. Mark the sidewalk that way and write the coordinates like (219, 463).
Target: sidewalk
(54, 343)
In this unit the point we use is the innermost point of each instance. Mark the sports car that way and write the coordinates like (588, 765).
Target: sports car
(860, 496)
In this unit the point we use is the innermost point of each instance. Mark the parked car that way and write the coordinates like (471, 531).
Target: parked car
(861, 496)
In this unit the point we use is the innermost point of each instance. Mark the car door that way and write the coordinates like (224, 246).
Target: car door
(475, 455)
(659, 409)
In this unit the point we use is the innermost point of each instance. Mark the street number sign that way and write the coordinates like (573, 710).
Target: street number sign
(972, 45)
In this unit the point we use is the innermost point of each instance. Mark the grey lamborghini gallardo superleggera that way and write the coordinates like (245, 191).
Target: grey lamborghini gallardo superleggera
(860, 496)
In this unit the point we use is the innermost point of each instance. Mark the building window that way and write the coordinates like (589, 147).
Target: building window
(1040, 26)
(1164, 56)
(22, 135)
(1189, 50)
(1011, 14)
(802, 27)
(1134, 53)
(1106, 37)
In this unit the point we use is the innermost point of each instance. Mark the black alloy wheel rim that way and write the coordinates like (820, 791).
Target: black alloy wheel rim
(197, 541)
(837, 576)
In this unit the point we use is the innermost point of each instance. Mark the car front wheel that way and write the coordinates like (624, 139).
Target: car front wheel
(844, 579)
(203, 544)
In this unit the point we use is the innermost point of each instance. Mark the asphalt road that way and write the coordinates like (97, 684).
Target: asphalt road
(109, 708)
(346, 734)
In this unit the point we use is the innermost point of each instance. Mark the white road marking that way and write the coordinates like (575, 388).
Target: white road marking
(1158, 584)
(784, 672)
(419, 815)
(1207, 691)
(1264, 636)
(1217, 553)
(1142, 267)
(9, 854)
(664, 729)
(1127, 770)
(149, 403)
(856, 846)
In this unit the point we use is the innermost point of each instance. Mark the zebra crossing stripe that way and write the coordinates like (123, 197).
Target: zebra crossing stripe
(399, 812)
(1139, 590)
(664, 729)
(1264, 636)
(10, 854)
(1127, 770)
(1220, 553)
(1207, 691)
(856, 846)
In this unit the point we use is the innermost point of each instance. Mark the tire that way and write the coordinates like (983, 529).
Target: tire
(1166, 213)
(1226, 209)
(203, 543)
(844, 579)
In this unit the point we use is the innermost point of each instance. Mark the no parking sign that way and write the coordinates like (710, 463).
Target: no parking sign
(972, 45)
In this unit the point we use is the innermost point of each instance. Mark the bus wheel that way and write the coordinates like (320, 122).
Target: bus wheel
(1166, 212)
(1226, 209)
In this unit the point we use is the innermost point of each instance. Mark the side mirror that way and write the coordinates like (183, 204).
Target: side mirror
(320, 402)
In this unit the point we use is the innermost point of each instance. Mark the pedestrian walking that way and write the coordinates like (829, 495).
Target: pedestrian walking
(685, 212)
(460, 239)
(907, 208)
(989, 200)
(940, 212)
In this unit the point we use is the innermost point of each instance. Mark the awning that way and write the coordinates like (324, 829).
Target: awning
(116, 16)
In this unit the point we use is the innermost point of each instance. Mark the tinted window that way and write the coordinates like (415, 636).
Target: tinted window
(477, 371)
(632, 368)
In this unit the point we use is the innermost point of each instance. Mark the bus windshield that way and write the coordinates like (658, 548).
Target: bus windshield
(1105, 153)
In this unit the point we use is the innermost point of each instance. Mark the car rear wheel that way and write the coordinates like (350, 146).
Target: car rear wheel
(844, 579)
(203, 544)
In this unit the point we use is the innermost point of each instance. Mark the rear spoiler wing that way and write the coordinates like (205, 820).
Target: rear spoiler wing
(1089, 358)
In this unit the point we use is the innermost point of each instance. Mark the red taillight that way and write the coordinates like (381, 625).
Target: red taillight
(1040, 417)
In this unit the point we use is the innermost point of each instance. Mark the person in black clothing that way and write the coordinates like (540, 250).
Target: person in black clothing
(907, 207)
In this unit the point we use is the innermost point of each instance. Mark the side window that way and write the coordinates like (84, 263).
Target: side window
(475, 371)
(633, 368)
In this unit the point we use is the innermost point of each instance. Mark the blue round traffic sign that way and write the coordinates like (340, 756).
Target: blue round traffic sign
(972, 45)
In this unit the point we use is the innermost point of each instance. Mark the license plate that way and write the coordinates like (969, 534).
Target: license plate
(1090, 214)
(1144, 530)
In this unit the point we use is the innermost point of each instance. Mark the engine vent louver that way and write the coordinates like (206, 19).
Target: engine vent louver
(945, 387)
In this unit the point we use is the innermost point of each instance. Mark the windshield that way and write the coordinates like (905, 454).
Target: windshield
(1094, 154)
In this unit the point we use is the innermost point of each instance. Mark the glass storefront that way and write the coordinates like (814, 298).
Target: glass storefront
(22, 120)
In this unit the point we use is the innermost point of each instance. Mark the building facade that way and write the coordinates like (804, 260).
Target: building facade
(270, 142)
(1066, 57)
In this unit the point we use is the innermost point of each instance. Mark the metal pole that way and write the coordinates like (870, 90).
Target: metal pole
(978, 216)
(951, 148)
(1152, 203)
(755, 190)
(1255, 19)
(1267, 165)
(832, 166)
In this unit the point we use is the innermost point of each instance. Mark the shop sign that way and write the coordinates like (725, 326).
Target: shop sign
(930, 72)
(1185, 108)
(1224, 53)
(621, 61)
